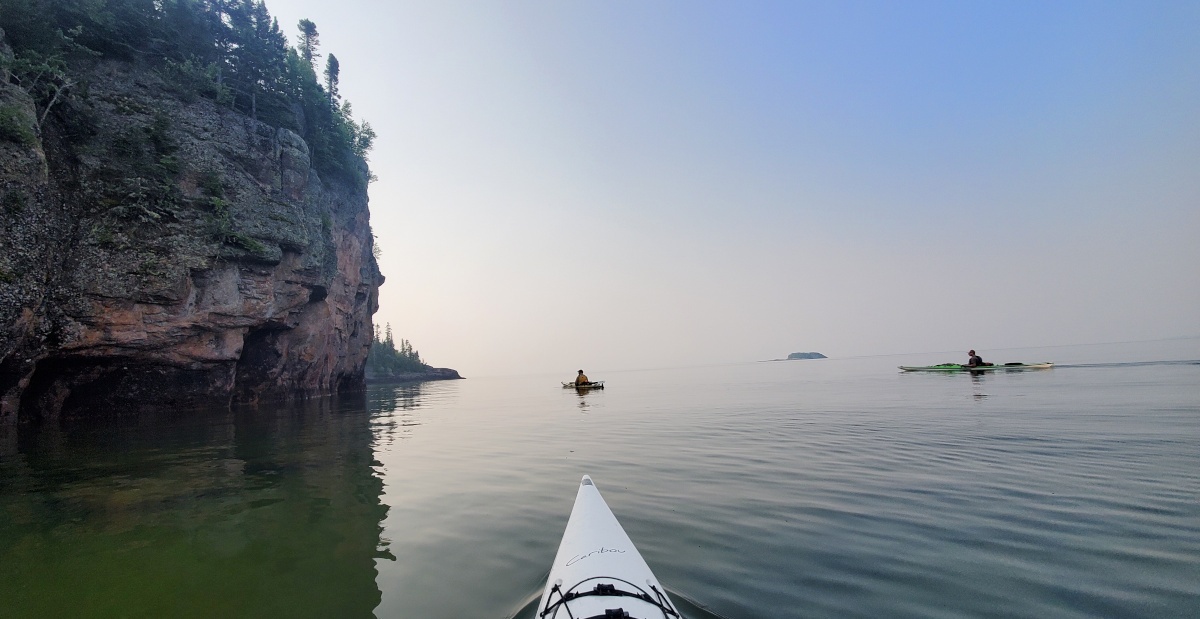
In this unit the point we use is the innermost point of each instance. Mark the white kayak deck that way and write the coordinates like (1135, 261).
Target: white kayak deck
(597, 572)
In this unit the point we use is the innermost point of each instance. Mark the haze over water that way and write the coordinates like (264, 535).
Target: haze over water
(627, 185)
(827, 488)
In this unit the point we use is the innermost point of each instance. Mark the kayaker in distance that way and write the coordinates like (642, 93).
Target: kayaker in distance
(582, 379)
(975, 362)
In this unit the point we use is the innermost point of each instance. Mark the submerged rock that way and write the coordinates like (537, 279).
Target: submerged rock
(806, 355)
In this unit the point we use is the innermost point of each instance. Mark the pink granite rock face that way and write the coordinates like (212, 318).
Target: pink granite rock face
(239, 276)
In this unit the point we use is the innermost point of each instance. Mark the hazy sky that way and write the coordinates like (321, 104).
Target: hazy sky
(614, 184)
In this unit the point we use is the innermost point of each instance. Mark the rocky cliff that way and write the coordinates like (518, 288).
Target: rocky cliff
(162, 250)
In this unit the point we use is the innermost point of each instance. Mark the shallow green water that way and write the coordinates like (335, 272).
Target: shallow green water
(194, 516)
(827, 488)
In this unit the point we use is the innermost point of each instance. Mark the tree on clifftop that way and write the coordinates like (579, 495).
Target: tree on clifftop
(332, 72)
(309, 41)
(230, 51)
(257, 55)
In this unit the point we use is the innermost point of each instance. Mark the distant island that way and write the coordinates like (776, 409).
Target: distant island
(801, 355)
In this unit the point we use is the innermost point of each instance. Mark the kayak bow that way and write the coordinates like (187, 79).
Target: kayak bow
(597, 572)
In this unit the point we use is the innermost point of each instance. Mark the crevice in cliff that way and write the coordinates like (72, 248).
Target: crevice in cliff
(258, 365)
(52, 382)
(12, 373)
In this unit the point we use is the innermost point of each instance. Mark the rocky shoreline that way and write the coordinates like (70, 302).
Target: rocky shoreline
(413, 377)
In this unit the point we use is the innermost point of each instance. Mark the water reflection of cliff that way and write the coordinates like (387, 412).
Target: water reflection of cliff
(393, 408)
(256, 513)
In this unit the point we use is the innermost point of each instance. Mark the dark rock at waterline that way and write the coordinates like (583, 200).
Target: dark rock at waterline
(806, 355)
(171, 253)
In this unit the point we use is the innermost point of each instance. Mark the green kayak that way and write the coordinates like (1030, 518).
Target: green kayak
(958, 367)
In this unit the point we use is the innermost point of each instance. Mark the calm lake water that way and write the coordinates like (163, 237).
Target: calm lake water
(825, 488)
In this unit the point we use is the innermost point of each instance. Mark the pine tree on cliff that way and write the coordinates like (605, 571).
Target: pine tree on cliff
(332, 72)
(189, 30)
(317, 122)
(309, 41)
(230, 51)
(222, 42)
(258, 55)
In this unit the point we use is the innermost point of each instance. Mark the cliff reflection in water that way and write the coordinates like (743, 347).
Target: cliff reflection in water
(394, 410)
(270, 512)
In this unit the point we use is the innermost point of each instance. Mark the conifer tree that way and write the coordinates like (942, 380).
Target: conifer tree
(309, 41)
(230, 51)
(332, 72)
(257, 53)
(364, 138)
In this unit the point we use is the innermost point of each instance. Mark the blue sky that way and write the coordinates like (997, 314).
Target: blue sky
(616, 185)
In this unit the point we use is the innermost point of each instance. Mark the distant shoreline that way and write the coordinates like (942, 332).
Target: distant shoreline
(414, 377)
